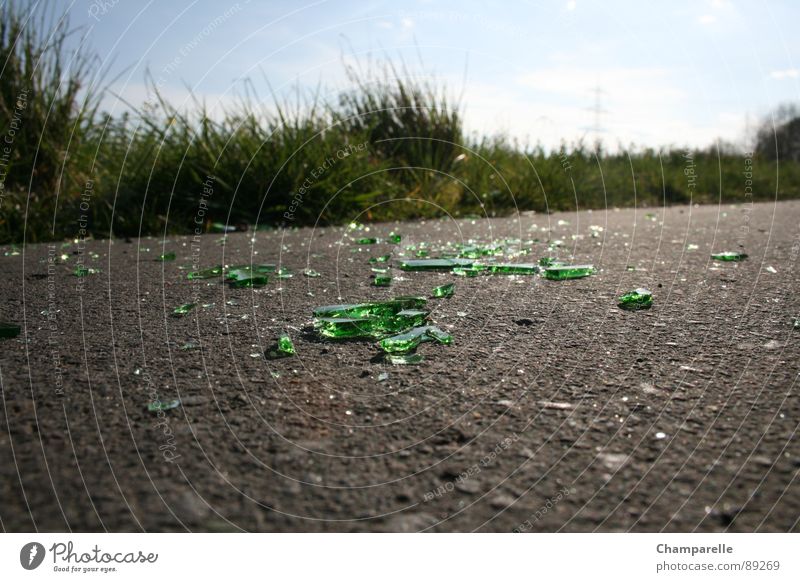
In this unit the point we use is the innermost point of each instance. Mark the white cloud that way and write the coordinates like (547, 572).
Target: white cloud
(785, 74)
(707, 19)
(571, 5)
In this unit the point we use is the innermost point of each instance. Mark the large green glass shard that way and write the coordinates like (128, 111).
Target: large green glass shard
(282, 349)
(166, 257)
(249, 282)
(367, 241)
(390, 307)
(434, 264)
(369, 326)
(729, 256)
(182, 310)
(568, 272)
(404, 359)
(158, 405)
(444, 290)
(8, 330)
(409, 340)
(514, 269)
(382, 281)
(206, 273)
(637, 299)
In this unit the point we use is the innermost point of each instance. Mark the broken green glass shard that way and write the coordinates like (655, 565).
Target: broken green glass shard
(422, 253)
(253, 268)
(395, 238)
(367, 241)
(311, 273)
(637, 299)
(405, 342)
(444, 290)
(222, 227)
(182, 310)
(381, 270)
(729, 256)
(166, 257)
(630, 268)
(209, 273)
(434, 264)
(382, 281)
(84, 271)
(404, 359)
(378, 308)
(549, 262)
(568, 272)
(248, 281)
(469, 272)
(9, 330)
(381, 259)
(157, 405)
(12, 252)
(514, 269)
(283, 348)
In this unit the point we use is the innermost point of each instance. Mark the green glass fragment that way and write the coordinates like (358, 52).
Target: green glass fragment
(369, 326)
(403, 359)
(434, 264)
(250, 281)
(514, 269)
(166, 257)
(311, 273)
(85, 271)
(568, 272)
(382, 281)
(182, 310)
(9, 330)
(382, 308)
(381, 259)
(422, 253)
(158, 405)
(381, 270)
(282, 349)
(637, 299)
(209, 273)
(395, 238)
(549, 262)
(252, 268)
(469, 272)
(630, 268)
(367, 241)
(409, 340)
(222, 227)
(12, 252)
(444, 290)
(729, 256)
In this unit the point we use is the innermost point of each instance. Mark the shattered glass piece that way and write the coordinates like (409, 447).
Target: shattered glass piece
(8, 330)
(409, 340)
(222, 227)
(422, 253)
(444, 290)
(282, 349)
(182, 310)
(638, 299)
(630, 268)
(245, 277)
(381, 270)
(166, 257)
(188, 346)
(771, 269)
(434, 264)
(367, 241)
(284, 273)
(381, 259)
(382, 281)
(469, 272)
(402, 359)
(395, 238)
(311, 273)
(383, 376)
(381, 308)
(12, 252)
(729, 256)
(158, 405)
(692, 247)
(568, 272)
(549, 262)
(84, 271)
(514, 269)
(209, 273)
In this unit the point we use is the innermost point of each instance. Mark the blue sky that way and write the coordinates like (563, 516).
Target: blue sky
(668, 73)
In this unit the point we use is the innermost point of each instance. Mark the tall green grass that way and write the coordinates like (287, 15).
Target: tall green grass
(391, 147)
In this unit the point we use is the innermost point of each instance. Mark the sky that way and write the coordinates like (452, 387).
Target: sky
(651, 74)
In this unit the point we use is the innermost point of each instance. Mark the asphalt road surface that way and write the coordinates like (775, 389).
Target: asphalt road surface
(553, 409)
